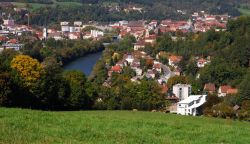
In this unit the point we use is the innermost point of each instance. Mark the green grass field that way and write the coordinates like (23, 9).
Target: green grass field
(244, 11)
(103, 127)
(37, 5)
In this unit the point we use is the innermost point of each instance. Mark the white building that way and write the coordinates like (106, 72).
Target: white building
(202, 62)
(64, 23)
(78, 23)
(9, 22)
(96, 33)
(16, 47)
(182, 91)
(191, 105)
(65, 26)
(138, 71)
(71, 29)
(130, 59)
(45, 33)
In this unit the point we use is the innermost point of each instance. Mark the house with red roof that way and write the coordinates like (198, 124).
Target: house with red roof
(209, 87)
(139, 45)
(74, 35)
(201, 62)
(115, 69)
(13, 41)
(173, 60)
(232, 91)
(150, 39)
(157, 67)
(226, 90)
(3, 39)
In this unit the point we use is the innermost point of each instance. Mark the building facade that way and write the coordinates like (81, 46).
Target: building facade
(182, 91)
(191, 105)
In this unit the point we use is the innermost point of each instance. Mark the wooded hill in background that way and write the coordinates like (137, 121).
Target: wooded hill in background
(113, 10)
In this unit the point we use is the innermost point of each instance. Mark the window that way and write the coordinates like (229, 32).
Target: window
(180, 93)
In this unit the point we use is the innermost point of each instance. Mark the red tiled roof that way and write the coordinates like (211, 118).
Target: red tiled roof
(232, 91)
(175, 58)
(140, 43)
(224, 88)
(13, 41)
(209, 87)
(151, 37)
(116, 68)
(158, 66)
(2, 38)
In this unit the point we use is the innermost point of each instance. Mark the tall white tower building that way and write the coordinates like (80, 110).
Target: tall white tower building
(182, 91)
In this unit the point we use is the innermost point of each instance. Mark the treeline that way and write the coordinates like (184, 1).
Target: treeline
(42, 84)
(99, 11)
(34, 78)
(27, 83)
(63, 50)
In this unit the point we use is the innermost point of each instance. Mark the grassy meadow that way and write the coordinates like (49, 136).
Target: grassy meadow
(34, 6)
(244, 11)
(103, 127)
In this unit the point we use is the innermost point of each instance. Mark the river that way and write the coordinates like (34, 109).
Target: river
(84, 64)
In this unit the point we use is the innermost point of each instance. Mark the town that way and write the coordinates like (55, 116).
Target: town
(125, 71)
(146, 33)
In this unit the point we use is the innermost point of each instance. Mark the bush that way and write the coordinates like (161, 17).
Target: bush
(223, 110)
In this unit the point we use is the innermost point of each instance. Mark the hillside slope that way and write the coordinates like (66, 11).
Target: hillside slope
(27, 126)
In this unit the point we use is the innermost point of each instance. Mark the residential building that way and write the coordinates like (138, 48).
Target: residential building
(139, 45)
(191, 105)
(182, 91)
(115, 69)
(201, 62)
(209, 87)
(14, 46)
(129, 59)
(45, 33)
(96, 33)
(226, 90)
(157, 67)
(174, 60)
(65, 26)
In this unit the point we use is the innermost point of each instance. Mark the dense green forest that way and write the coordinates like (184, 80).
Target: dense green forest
(105, 10)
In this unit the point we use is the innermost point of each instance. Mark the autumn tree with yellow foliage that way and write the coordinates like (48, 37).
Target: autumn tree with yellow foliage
(29, 69)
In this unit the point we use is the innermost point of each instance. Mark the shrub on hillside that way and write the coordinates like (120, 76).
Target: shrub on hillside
(223, 110)
(244, 113)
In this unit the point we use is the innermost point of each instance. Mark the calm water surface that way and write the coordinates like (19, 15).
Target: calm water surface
(84, 64)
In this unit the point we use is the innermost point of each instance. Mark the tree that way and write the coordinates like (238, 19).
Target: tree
(52, 90)
(5, 59)
(192, 68)
(79, 97)
(29, 69)
(6, 88)
(211, 101)
(244, 91)
(175, 80)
